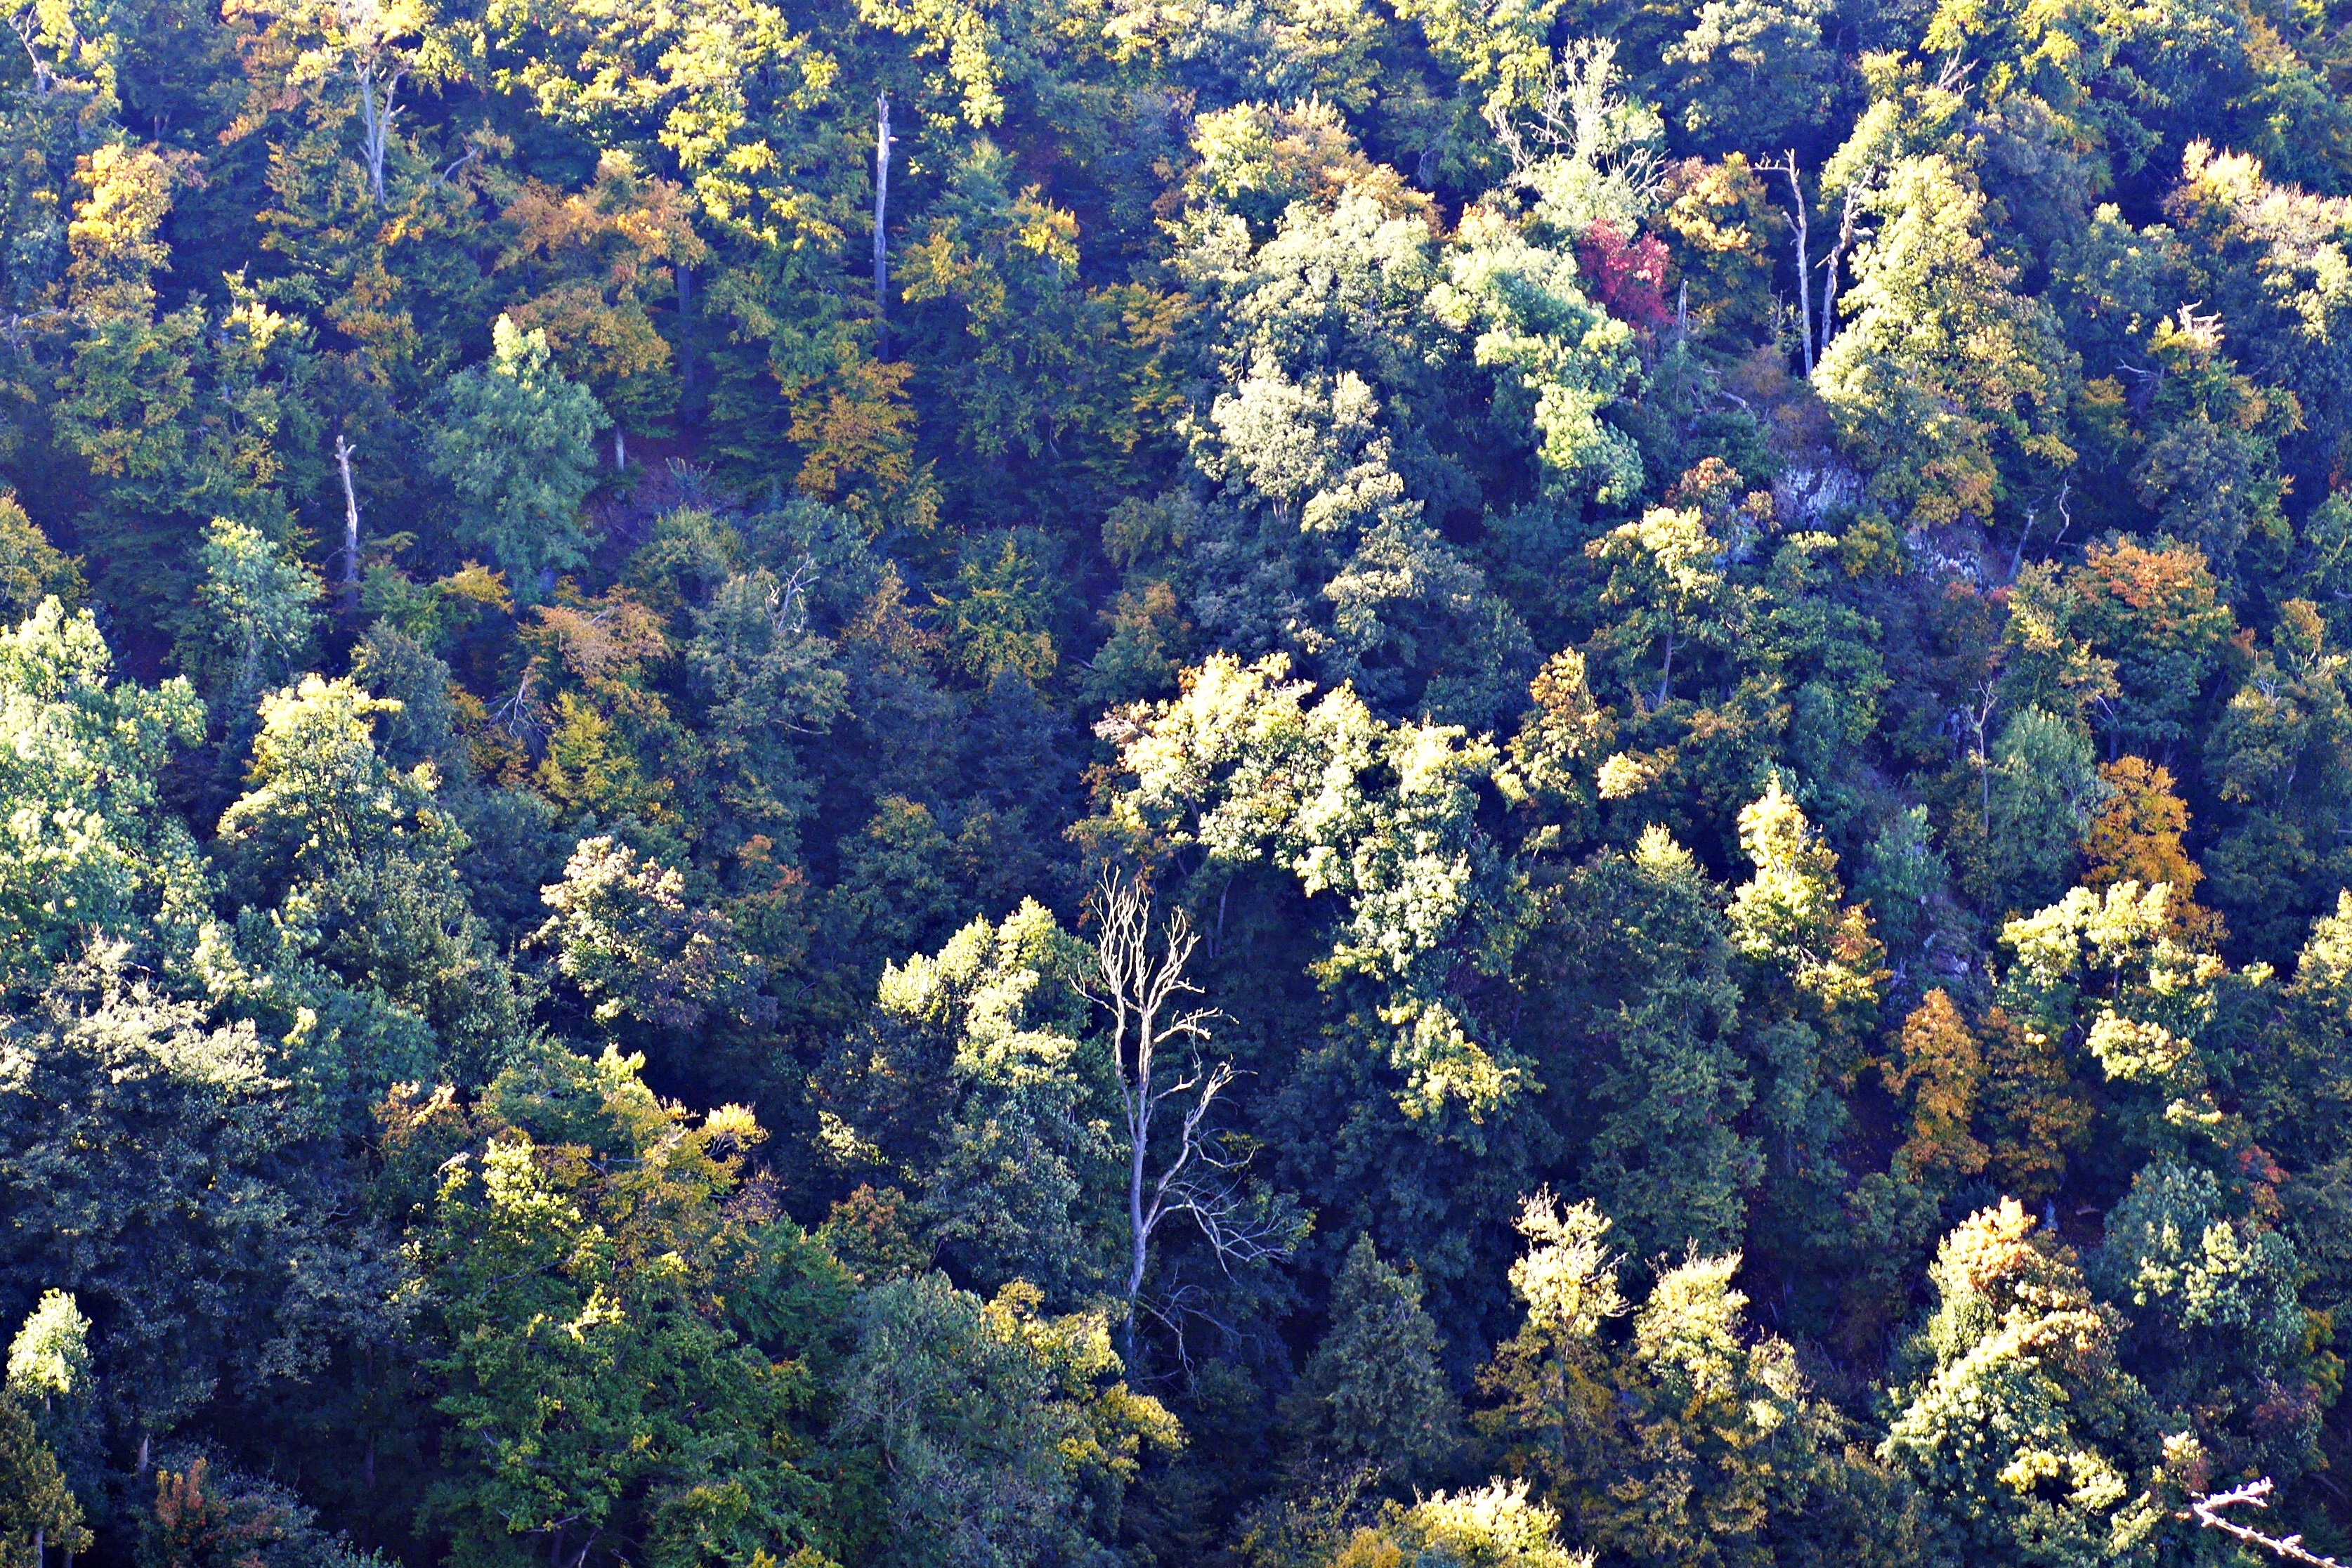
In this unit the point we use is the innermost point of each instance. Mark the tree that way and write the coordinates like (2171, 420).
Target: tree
(38, 1512)
(51, 1374)
(1551, 1382)
(1198, 1176)
(1752, 71)
(207, 1514)
(2042, 791)
(1940, 1070)
(354, 939)
(2136, 838)
(999, 1441)
(589, 268)
(1728, 1454)
(1382, 1397)
(2016, 1421)
(1645, 978)
(1812, 981)
(258, 620)
(604, 1334)
(1493, 1526)
(2218, 1334)
(514, 443)
(31, 568)
(86, 846)
(624, 936)
(2160, 615)
(179, 1191)
(972, 1082)
(2273, 754)
(1946, 383)
(1236, 764)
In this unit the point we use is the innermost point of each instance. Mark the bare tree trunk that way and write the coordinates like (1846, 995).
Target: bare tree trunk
(1140, 983)
(1846, 221)
(1788, 165)
(351, 525)
(881, 224)
(375, 123)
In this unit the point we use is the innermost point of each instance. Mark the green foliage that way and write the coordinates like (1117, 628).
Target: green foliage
(49, 1357)
(596, 1325)
(256, 619)
(1950, 386)
(35, 1508)
(1722, 625)
(1376, 1374)
(970, 1084)
(998, 1439)
(168, 1182)
(514, 444)
(2017, 1346)
(86, 846)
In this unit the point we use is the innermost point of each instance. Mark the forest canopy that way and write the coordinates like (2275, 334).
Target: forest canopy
(1175, 784)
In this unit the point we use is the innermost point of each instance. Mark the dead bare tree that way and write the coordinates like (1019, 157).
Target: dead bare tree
(1818, 326)
(351, 526)
(1801, 222)
(379, 58)
(1179, 1161)
(2208, 1513)
(882, 141)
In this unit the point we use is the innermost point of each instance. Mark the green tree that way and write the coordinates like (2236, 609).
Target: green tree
(624, 936)
(974, 1084)
(2217, 1333)
(999, 1438)
(599, 1334)
(1949, 385)
(181, 1192)
(514, 443)
(51, 1374)
(1550, 1383)
(1645, 975)
(38, 1512)
(2042, 791)
(31, 568)
(353, 942)
(256, 623)
(87, 844)
(2015, 1419)
(1384, 1398)
(1493, 1526)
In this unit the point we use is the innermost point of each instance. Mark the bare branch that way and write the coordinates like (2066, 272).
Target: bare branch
(1139, 981)
(2207, 1510)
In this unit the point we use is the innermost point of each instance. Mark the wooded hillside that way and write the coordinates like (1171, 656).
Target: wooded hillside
(1174, 784)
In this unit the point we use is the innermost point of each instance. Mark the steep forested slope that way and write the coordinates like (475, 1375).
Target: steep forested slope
(1089, 782)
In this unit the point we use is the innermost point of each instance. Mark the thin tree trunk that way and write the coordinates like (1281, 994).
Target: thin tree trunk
(1829, 268)
(375, 123)
(881, 223)
(1805, 263)
(351, 525)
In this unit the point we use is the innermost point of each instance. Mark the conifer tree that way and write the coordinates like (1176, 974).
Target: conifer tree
(1383, 1394)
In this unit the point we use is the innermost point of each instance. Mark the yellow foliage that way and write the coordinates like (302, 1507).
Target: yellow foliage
(1941, 1066)
(2136, 838)
(116, 235)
